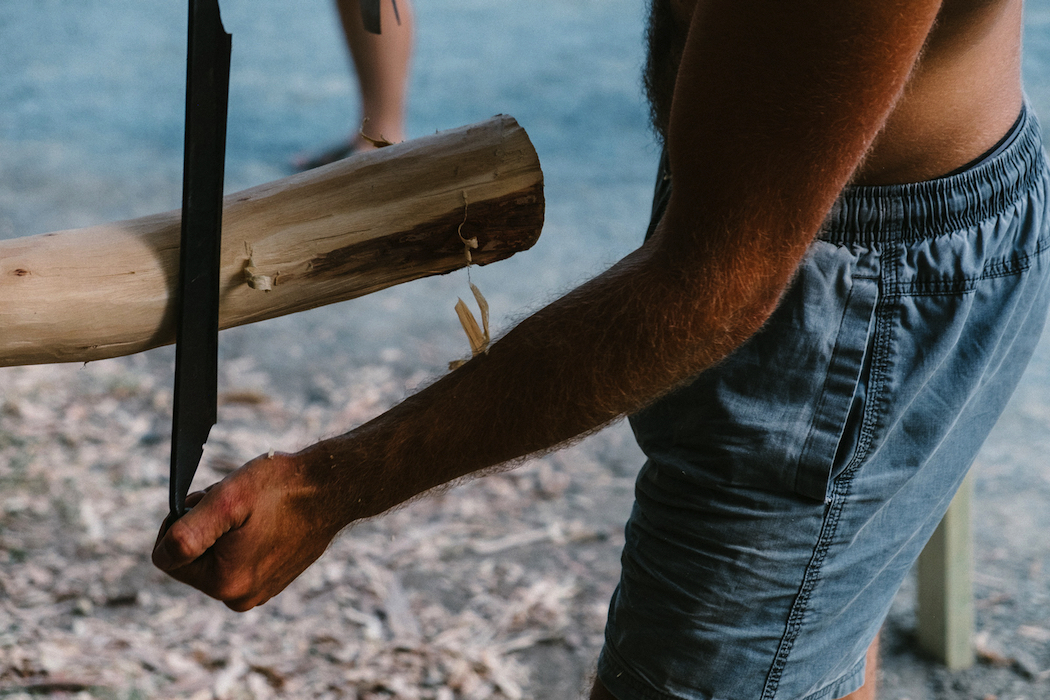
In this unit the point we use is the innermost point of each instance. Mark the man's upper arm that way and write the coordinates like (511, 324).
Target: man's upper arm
(774, 107)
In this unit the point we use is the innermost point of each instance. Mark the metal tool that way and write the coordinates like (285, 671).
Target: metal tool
(197, 320)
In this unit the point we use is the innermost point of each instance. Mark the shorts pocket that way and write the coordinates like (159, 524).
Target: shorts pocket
(838, 409)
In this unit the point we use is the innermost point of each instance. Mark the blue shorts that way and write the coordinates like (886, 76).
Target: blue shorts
(789, 489)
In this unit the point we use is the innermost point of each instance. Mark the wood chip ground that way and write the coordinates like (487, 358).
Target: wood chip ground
(482, 591)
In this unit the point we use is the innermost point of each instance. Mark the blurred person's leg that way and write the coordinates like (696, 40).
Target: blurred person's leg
(381, 63)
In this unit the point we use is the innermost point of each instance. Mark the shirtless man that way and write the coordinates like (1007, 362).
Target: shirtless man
(811, 361)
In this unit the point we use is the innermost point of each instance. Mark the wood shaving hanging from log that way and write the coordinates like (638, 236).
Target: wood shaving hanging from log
(478, 337)
(469, 244)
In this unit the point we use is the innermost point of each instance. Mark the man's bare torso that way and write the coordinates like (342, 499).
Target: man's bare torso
(962, 97)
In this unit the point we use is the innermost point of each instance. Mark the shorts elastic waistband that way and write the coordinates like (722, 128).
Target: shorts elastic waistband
(936, 207)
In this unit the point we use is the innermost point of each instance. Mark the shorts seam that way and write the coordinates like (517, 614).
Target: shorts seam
(882, 338)
(823, 399)
(841, 487)
(809, 582)
(993, 270)
(1016, 266)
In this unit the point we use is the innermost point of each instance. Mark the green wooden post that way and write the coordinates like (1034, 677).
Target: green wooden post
(945, 585)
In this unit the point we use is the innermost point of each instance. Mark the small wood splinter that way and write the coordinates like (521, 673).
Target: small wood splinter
(252, 277)
(478, 337)
(468, 243)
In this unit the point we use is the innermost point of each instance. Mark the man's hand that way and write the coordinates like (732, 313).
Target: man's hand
(247, 537)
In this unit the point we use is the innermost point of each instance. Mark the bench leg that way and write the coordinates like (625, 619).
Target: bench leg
(945, 585)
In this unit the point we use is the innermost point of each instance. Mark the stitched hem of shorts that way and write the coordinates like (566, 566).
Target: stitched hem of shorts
(845, 685)
(618, 679)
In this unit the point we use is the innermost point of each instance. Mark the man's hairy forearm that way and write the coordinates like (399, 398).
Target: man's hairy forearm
(756, 170)
(603, 350)
(606, 348)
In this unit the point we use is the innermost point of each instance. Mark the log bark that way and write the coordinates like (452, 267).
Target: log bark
(357, 226)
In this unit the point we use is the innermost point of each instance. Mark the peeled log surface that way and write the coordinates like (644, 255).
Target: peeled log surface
(357, 226)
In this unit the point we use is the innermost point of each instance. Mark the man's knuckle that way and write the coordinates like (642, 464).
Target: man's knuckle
(185, 541)
(227, 503)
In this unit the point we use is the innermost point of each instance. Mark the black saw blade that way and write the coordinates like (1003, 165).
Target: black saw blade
(197, 315)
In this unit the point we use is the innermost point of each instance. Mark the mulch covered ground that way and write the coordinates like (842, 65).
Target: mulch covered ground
(487, 590)
(496, 588)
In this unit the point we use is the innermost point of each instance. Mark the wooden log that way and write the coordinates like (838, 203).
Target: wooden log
(366, 223)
